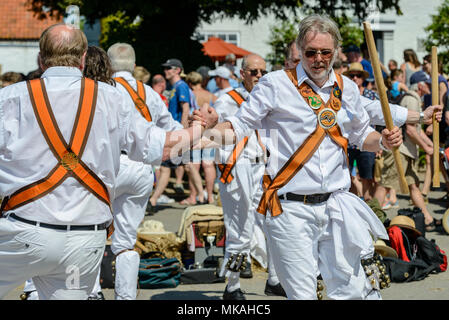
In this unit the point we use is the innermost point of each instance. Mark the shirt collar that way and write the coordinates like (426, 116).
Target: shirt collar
(62, 72)
(124, 74)
(302, 76)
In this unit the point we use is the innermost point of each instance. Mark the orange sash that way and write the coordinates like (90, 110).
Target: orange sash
(327, 124)
(138, 97)
(68, 156)
(226, 176)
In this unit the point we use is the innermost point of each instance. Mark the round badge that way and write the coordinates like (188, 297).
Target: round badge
(69, 161)
(337, 92)
(327, 118)
(336, 104)
(315, 102)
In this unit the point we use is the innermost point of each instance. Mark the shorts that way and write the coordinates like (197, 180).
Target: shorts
(390, 178)
(169, 164)
(196, 156)
(365, 162)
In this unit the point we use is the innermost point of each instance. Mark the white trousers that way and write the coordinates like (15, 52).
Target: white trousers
(303, 243)
(132, 191)
(239, 200)
(62, 264)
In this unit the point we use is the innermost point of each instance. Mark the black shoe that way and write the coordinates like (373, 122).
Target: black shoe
(234, 295)
(275, 290)
(98, 296)
(247, 273)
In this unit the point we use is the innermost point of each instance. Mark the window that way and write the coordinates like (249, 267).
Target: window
(232, 37)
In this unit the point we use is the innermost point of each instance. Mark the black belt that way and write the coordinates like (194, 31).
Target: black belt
(60, 226)
(307, 198)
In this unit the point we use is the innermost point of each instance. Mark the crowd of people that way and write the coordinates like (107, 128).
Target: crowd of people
(129, 133)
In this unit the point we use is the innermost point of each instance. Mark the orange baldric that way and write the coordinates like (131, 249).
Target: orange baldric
(327, 124)
(226, 176)
(68, 156)
(137, 97)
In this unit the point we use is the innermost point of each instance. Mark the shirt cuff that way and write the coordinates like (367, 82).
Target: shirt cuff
(364, 136)
(399, 116)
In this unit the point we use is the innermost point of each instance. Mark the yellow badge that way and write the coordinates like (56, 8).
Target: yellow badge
(327, 118)
(69, 161)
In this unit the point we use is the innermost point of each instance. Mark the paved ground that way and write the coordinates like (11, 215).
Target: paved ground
(434, 287)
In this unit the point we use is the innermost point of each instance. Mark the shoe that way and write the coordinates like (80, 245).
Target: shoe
(163, 199)
(179, 188)
(234, 295)
(436, 223)
(247, 273)
(275, 290)
(98, 296)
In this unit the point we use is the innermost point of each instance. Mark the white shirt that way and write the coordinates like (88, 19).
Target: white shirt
(276, 106)
(227, 106)
(374, 109)
(25, 156)
(221, 92)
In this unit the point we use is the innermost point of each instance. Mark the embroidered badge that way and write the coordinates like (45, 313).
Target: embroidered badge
(327, 118)
(337, 92)
(69, 161)
(315, 102)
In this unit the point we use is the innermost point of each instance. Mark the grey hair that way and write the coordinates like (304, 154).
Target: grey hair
(414, 87)
(320, 24)
(123, 57)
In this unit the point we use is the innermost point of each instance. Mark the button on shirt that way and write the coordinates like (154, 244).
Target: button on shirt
(226, 106)
(25, 157)
(276, 106)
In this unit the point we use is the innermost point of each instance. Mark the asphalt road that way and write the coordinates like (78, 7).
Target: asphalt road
(434, 287)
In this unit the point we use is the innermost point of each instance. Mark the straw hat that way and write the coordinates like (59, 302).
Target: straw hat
(407, 224)
(446, 221)
(356, 67)
(385, 251)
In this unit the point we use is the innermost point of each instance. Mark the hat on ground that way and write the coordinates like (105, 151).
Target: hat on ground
(352, 48)
(356, 67)
(385, 251)
(407, 224)
(221, 72)
(173, 63)
(446, 221)
(420, 76)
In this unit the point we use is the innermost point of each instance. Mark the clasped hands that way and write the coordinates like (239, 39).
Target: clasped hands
(206, 116)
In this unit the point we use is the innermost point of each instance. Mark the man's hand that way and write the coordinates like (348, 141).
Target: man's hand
(428, 113)
(391, 139)
(207, 114)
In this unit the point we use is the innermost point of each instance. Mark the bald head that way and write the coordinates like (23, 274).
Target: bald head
(253, 68)
(123, 57)
(62, 45)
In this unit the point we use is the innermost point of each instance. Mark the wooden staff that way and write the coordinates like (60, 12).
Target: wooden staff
(382, 91)
(436, 126)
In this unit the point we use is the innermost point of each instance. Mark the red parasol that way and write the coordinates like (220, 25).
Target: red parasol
(217, 49)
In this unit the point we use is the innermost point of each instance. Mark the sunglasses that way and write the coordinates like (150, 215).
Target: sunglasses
(325, 54)
(355, 75)
(255, 72)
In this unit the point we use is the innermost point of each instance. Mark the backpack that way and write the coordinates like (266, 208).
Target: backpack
(417, 216)
(159, 272)
(430, 253)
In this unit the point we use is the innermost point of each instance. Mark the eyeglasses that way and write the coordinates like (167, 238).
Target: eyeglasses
(169, 68)
(325, 54)
(255, 72)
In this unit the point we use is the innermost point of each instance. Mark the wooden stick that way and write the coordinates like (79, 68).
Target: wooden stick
(436, 126)
(382, 91)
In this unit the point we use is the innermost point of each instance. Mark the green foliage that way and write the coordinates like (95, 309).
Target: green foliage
(438, 32)
(350, 33)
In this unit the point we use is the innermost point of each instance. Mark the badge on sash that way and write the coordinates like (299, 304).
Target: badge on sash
(315, 102)
(69, 161)
(327, 118)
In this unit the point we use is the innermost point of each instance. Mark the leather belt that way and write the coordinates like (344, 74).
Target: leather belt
(308, 198)
(91, 227)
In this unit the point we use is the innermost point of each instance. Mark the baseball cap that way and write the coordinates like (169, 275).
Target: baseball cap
(173, 63)
(420, 76)
(221, 72)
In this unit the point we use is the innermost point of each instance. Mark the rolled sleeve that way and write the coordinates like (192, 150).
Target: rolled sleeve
(374, 108)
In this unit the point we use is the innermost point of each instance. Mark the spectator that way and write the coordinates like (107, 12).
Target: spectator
(222, 78)
(414, 138)
(410, 65)
(397, 83)
(204, 72)
(230, 62)
(392, 65)
(159, 85)
(442, 82)
(194, 80)
(9, 78)
(141, 74)
(364, 159)
(291, 55)
(354, 55)
(213, 87)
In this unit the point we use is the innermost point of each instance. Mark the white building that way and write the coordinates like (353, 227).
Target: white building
(393, 33)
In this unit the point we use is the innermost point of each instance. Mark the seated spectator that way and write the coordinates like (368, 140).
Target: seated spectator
(9, 78)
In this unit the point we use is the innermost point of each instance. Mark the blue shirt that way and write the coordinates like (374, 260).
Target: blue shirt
(180, 93)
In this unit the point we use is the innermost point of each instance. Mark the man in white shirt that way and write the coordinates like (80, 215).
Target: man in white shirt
(313, 224)
(134, 182)
(241, 167)
(57, 195)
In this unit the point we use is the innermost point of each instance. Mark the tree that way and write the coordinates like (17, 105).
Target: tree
(166, 28)
(438, 32)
